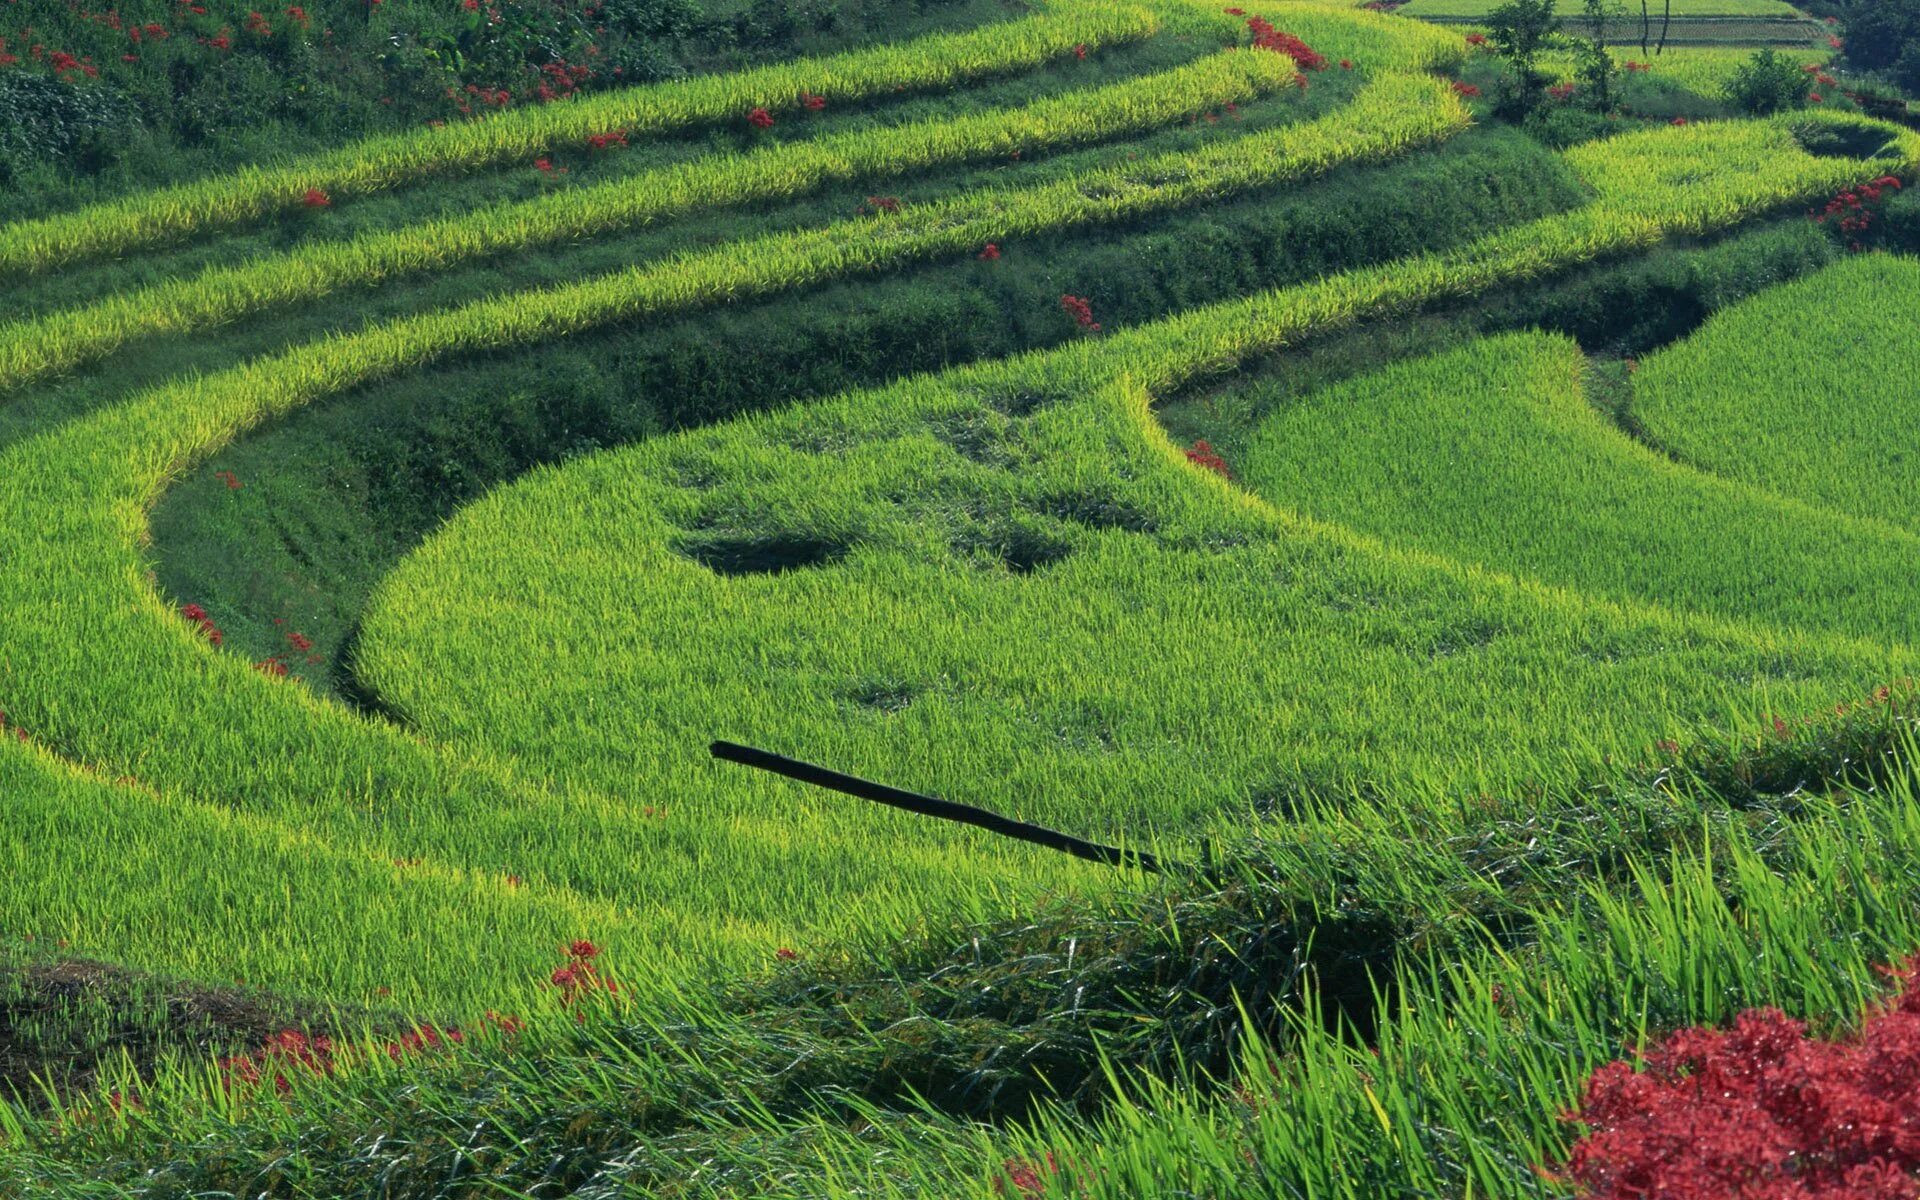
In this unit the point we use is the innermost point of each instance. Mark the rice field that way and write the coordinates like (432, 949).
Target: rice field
(1538, 695)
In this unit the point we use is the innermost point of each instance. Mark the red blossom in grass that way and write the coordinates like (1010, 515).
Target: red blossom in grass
(273, 668)
(300, 642)
(1834, 43)
(786, 954)
(1080, 51)
(583, 949)
(1476, 39)
(1465, 89)
(811, 102)
(881, 204)
(1761, 1112)
(1633, 67)
(513, 881)
(1815, 98)
(991, 253)
(1203, 455)
(257, 25)
(1236, 12)
(1346, 64)
(1081, 310)
(297, 15)
(230, 479)
(1266, 37)
(615, 140)
(1029, 1178)
(760, 118)
(1560, 91)
(544, 165)
(315, 198)
(1678, 121)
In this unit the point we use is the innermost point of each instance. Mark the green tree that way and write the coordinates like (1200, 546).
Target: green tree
(1768, 83)
(1518, 31)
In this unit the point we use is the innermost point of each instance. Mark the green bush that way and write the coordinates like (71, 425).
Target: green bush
(43, 120)
(1768, 83)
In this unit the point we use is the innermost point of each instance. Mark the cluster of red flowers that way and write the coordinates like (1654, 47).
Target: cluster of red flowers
(491, 97)
(1561, 91)
(1852, 210)
(1476, 39)
(1466, 89)
(880, 204)
(991, 253)
(579, 977)
(291, 1052)
(1029, 1177)
(1636, 67)
(1266, 37)
(1081, 311)
(760, 118)
(560, 79)
(613, 140)
(316, 198)
(198, 615)
(812, 102)
(1761, 1112)
(278, 665)
(230, 479)
(1080, 51)
(1203, 455)
(258, 25)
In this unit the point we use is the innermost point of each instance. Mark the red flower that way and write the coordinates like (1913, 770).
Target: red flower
(1465, 89)
(1266, 37)
(785, 954)
(760, 118)
(885, 204)
(1476, 39)
(315, 198)
(1346, 64)
(1760, 1111)
(1203, 455)
(300, 642)
(1678, 121)
(991, 253)
(1080, 51)
(582, 949)
(1236, 12)
(1081, 311)
(813, 103)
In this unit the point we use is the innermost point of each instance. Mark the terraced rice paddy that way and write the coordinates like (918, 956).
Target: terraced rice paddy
(375, 571)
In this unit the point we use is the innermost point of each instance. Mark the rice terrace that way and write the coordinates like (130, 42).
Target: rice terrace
(1343, 568)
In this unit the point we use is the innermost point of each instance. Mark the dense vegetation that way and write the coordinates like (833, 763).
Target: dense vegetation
(1466, 549)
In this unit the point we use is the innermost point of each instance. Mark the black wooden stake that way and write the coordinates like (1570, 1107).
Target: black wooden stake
(930, 806)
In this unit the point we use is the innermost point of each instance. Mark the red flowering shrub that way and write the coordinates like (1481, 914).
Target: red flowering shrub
(1761, 1112)
(1081, 311)
(1266, 37)
(1852, 211)
(1202, 455)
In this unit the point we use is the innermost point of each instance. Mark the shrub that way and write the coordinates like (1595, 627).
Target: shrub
(47, 121)
(1768, 83)
(1762, 1112)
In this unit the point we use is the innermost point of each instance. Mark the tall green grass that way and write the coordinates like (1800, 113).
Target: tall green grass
(1802, 390)
(931, 62)
(1492, 454)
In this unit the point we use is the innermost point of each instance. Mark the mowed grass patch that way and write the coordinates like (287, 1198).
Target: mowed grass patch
(1493, 454)
(1804, 390)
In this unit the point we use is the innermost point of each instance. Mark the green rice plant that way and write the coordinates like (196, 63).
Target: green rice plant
(1492, 454)
(63, 339)
(932, 62)
(1743, 398)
